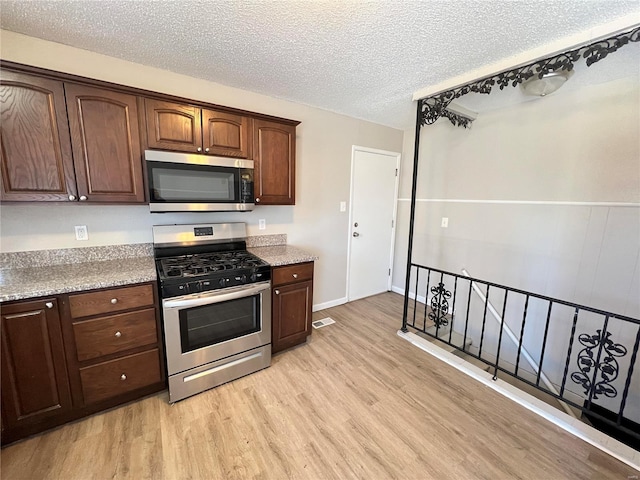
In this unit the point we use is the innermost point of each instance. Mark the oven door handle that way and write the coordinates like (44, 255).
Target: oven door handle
(216, 296)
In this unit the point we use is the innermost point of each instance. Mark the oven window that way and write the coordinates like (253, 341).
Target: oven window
(192, 183)
(218, 322)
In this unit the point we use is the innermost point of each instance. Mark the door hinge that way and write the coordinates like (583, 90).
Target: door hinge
(392, 223)
(389, 272)
(396, 172)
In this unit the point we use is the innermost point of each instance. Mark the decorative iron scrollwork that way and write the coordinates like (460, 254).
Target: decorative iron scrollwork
(439, 305)
(608, 365)
(435, 107)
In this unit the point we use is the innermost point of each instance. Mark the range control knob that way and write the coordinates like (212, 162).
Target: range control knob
(223, 282)
(253, 277)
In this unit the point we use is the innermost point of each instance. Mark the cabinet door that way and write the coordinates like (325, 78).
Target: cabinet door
(291, 315)
(106, 144)
(35, 384)
(36, 161)
(172, 126)
(226, 134)
(274, 154)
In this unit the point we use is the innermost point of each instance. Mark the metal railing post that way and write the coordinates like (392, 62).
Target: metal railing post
(414, 186)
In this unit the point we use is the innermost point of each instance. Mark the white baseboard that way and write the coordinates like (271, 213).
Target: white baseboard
(412, 295)
(329, 304)
(572, 425)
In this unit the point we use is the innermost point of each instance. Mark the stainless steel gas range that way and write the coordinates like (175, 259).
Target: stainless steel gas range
(216, 305)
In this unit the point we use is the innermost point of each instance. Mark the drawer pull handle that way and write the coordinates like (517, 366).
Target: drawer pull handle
(114, 301)
(295, 275)
(277, 292)
(49, 304)
(118, 334)
(123, 377)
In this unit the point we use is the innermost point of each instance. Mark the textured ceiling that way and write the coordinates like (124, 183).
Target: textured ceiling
(360, 58)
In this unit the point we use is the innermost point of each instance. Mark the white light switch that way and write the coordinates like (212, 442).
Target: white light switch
(343, 206)
(445, 222)
(81, 232)
(262, 224)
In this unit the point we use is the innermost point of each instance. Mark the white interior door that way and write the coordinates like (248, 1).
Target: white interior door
(374, 191)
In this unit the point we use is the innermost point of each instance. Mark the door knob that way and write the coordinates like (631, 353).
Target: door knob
(277, 292)
(206, 149)
(49, 304)
(356, 234)
(199, 149)
(118, 334)
(83, 197)
(72, 197)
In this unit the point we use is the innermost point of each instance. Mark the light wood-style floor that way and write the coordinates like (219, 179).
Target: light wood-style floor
(355, 402)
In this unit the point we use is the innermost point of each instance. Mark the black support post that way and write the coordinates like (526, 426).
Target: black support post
(414, 184)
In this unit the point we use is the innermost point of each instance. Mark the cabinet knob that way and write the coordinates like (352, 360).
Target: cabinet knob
(206, 149)
(123, 377)
(49, 304)
(199, 149)
(257, 200)
(277, 292)
(83, 198)
(295, 275)
(72, 197)
(118, 334)
(114, 301)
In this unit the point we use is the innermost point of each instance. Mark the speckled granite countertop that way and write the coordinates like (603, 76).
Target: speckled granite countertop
(282, 255)
(32, 282)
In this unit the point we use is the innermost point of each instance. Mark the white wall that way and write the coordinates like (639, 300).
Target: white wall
(542, 196)
(323, 159)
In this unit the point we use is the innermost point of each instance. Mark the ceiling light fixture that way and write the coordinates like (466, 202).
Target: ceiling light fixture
(548, 83)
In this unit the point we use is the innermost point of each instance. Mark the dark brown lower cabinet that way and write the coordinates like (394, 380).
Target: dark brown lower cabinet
(35, 383)
(68, 356)
(292, 300)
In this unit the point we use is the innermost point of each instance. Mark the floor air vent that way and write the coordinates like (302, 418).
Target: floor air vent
(323, 323)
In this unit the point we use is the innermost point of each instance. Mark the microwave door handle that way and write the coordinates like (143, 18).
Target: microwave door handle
(216, 297)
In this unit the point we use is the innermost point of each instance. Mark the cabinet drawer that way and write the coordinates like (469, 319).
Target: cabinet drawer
(109, 379)
(116, 333)
(109, 301)
(292, 273)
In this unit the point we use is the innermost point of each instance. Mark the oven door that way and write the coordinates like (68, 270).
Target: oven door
(207, 327)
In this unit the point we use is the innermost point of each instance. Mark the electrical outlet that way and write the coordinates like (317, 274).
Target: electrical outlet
(445, 222)
(81, 232)
(343, 206)
(262, 224)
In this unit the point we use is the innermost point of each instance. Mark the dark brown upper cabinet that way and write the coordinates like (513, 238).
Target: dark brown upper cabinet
(274, 154)
(36, 162)
(172, 126)
(226, 134)
(68, 142)
(186, 128)
(105, 138)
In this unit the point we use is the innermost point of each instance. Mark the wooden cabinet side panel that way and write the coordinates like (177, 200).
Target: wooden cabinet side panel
(226, 134)
(36, 160)
(172, 126)
(105, 139)
(35, 384)
(274, 156)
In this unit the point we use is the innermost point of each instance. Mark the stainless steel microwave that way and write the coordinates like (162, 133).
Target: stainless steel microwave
(184, 182)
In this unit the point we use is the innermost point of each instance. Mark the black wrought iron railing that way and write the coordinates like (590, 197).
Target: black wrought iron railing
(582, 356)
